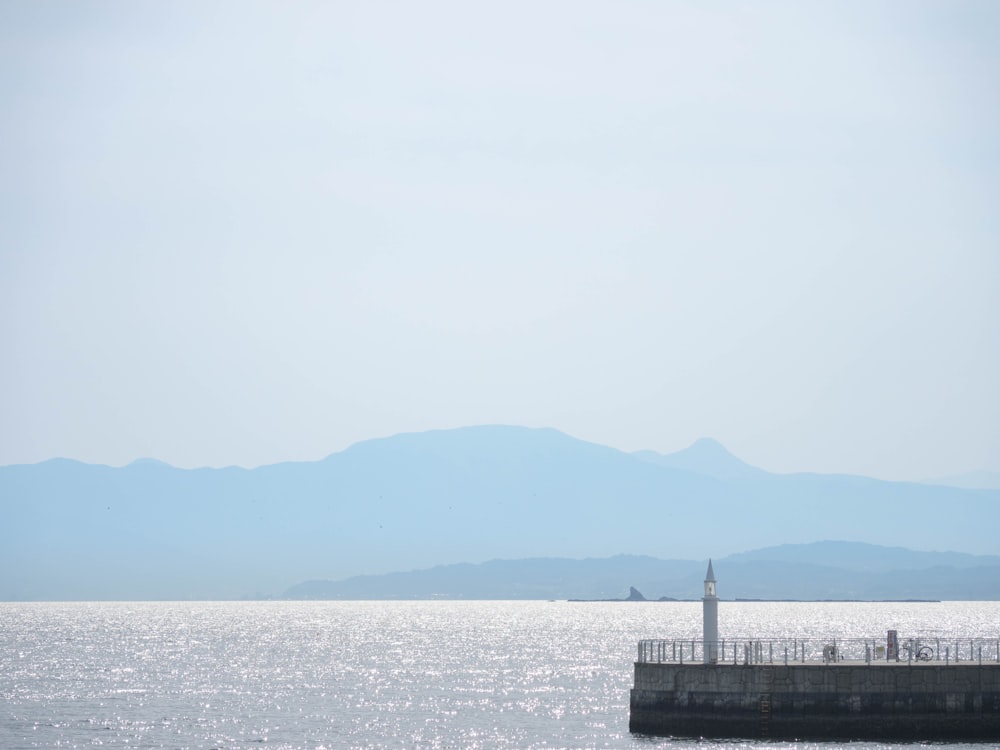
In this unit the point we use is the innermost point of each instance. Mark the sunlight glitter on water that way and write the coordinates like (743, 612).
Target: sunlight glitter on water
(374, 674)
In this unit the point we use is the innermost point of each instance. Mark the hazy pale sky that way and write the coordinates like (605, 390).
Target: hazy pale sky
(244, 233)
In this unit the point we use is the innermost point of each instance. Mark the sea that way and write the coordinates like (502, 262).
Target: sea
(383, 674)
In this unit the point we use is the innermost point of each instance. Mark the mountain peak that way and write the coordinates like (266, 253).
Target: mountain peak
(150, 462)
(708, 442)
(708, 447)
(705, 456)
(476, 442)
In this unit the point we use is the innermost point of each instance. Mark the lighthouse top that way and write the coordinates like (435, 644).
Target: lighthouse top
(710, 575)
(710, 582)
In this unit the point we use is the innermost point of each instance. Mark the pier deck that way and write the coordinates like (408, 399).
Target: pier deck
(816, 697)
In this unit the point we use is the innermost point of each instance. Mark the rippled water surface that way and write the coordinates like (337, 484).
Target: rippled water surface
(377, 674)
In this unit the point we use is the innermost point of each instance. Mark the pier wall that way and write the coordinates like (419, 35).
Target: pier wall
(818, 701)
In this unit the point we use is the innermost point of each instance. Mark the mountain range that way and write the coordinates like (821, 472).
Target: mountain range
(422, 500)
(817, 571)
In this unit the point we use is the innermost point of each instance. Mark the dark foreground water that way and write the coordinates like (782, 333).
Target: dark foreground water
(378, 674)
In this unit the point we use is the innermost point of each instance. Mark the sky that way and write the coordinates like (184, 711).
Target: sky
(253, 232)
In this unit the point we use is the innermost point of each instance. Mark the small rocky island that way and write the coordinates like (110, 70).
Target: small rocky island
(634, 595)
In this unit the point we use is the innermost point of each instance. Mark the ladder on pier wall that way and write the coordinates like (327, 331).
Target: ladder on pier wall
(766, 687)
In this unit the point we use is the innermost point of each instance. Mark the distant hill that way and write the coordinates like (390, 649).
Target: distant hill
(415, 501)
(856, 556)
(805, 571)
(537, 578)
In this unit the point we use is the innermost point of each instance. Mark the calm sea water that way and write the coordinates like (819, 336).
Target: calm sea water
(377, 674)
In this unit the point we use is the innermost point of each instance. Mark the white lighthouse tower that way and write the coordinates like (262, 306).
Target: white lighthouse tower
(710, 618)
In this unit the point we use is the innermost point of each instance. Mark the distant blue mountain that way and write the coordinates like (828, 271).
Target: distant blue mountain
(862, 557)
(973, 480)
(535, 578)
(824, 570)
(415, 501)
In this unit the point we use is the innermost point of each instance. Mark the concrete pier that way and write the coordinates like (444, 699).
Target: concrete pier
(836, 700)
(917, 688)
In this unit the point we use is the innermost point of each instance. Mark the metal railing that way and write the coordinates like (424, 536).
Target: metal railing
(820, 650)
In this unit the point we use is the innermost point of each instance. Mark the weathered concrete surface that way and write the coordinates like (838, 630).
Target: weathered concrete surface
(818, 701)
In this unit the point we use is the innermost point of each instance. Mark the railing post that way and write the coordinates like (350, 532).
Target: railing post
(650, 650)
